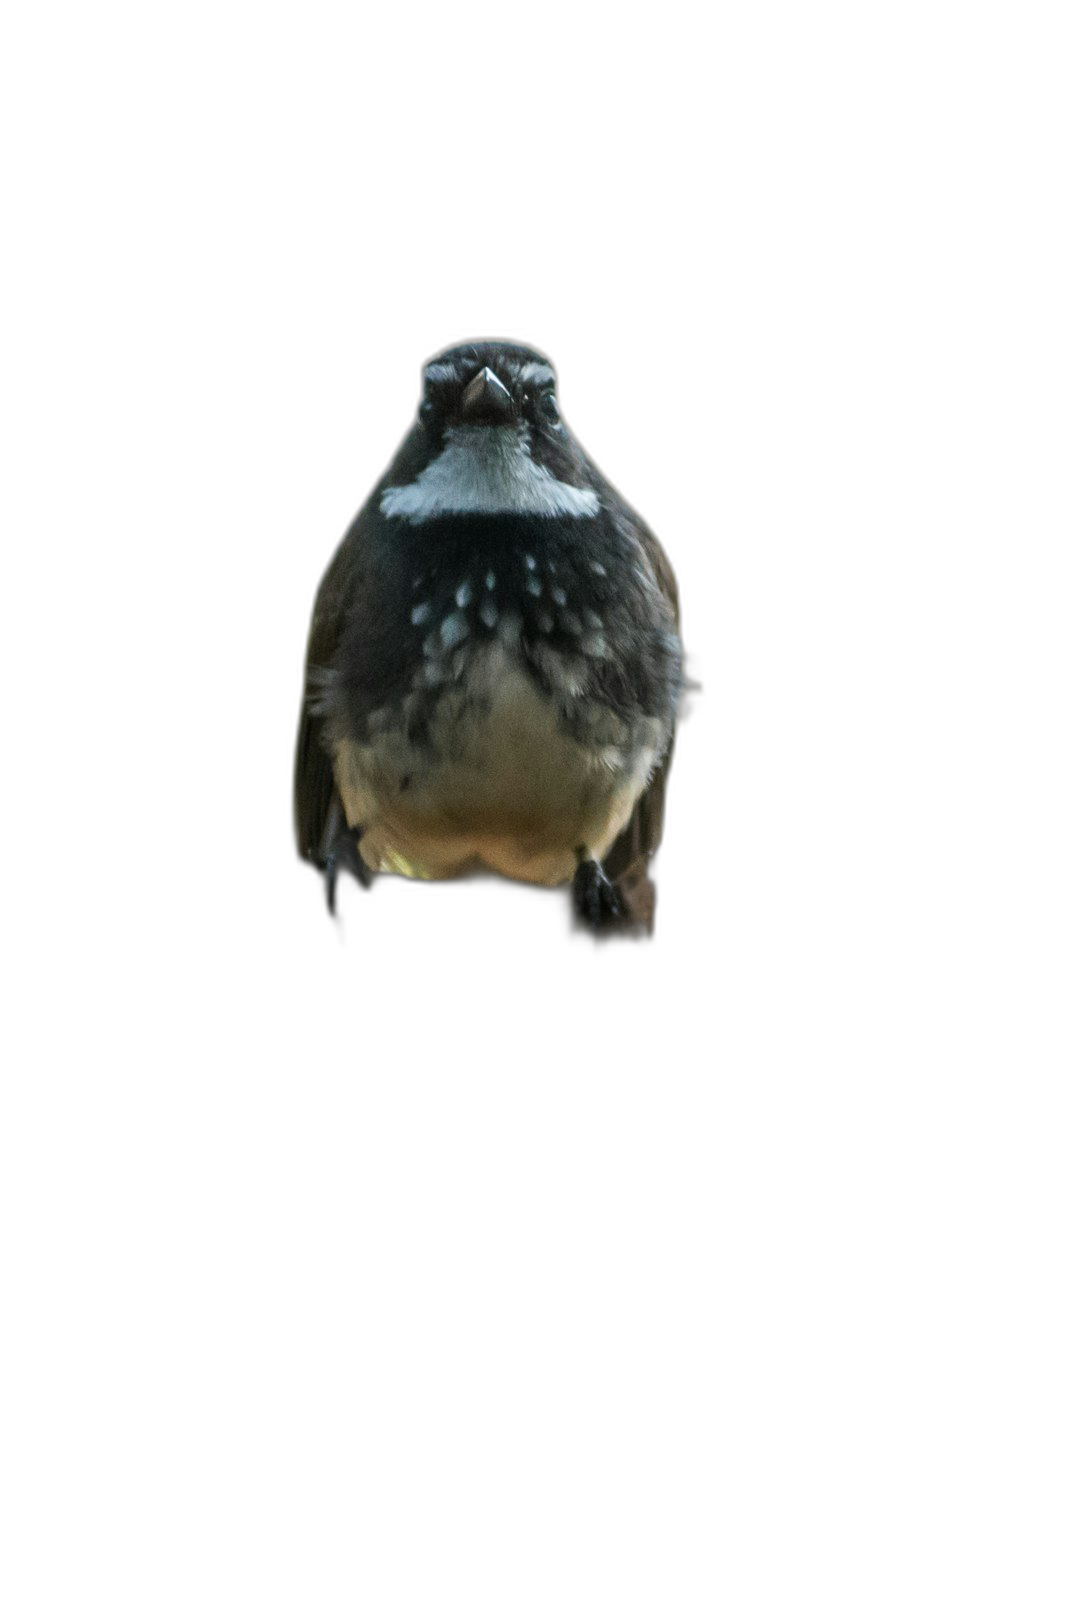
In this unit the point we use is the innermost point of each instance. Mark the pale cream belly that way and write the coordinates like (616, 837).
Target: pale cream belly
(501, 786)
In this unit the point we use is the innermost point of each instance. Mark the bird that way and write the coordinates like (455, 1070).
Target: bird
(494, 667)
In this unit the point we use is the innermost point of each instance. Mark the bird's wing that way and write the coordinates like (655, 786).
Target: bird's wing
(314, 791)
(627, 861)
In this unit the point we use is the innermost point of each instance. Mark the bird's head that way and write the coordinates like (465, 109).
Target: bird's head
(490, 385)
(489, 437)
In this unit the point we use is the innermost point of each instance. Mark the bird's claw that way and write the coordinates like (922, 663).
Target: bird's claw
(344, 855)
(597, 900)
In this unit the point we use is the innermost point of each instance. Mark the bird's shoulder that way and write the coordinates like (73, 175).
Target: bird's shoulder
(633, 529)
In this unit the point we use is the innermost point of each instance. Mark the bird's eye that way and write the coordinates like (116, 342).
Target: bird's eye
(428, 413)
(548, 406)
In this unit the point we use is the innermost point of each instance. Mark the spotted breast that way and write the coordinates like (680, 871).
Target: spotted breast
(497, 745)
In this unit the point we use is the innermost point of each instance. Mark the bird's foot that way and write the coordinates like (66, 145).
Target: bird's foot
(597, 901)
(344, 856)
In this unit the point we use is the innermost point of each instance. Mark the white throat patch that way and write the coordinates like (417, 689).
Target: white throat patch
(486, 469)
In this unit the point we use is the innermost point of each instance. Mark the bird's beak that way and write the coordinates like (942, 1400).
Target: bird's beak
(486, 400)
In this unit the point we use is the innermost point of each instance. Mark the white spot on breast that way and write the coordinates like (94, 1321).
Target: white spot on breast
(489, 613)
(566, 673)
(530, 562)
(421, 614)
(593, 620)
(454, 628)
(510, 629)
(489, 579)
(533, 585)
(598, 568)
(558, 595)
(463, 596)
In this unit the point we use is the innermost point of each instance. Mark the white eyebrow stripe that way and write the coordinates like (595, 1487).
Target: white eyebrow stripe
(533, 372)
(441, 371)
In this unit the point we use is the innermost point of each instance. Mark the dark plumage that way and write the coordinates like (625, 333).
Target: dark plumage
(494, 664)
